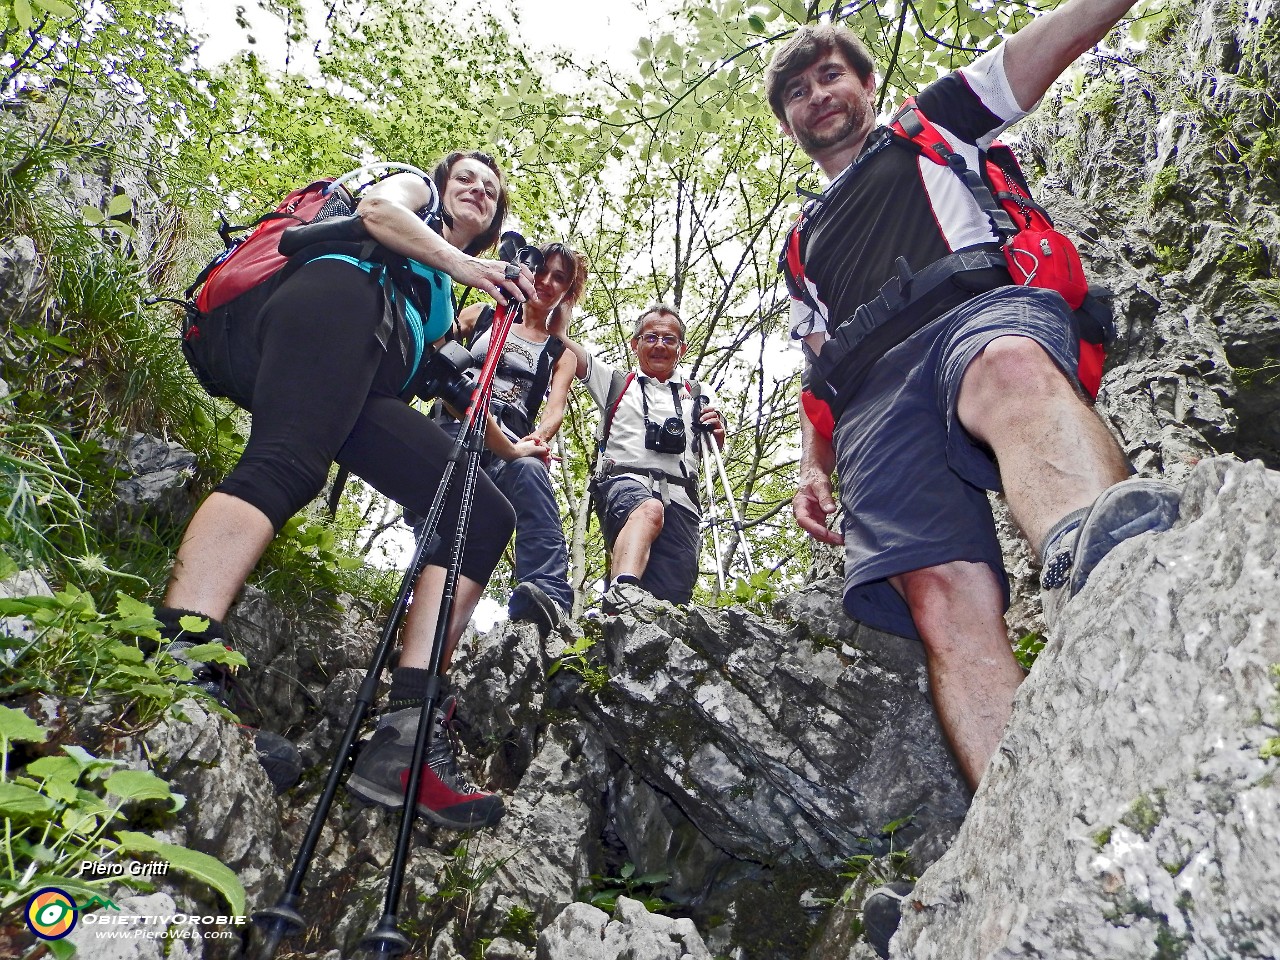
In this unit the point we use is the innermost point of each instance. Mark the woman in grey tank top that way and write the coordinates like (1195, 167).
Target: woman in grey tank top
(519, 441)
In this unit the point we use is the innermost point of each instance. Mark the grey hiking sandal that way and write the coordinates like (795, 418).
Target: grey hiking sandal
(1079, 541)
(381, 774)
(881, 912)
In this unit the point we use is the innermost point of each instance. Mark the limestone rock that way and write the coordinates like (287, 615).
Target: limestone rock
(583, 932)
(148, 939)
(231, 811)
(155, 489)
(20, 281)
(1133, 808)
(778, 741)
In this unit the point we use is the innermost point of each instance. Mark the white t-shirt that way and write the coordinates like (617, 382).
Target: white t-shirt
(626, 436)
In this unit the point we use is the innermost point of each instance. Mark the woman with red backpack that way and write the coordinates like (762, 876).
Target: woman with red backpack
(328, 369)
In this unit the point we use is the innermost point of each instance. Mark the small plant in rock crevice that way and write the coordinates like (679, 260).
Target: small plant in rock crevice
(643, 887)
(883, 862)
(457, 894)
(1027, 649)
(576, 660)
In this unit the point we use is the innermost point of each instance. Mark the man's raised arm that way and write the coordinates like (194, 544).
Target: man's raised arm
(1037, 54)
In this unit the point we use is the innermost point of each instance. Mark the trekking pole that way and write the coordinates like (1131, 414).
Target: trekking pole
(385, 940)
(283, 919)
(714, 515)
(738, 525)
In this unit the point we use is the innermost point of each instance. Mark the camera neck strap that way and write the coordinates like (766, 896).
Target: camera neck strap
(644, 398)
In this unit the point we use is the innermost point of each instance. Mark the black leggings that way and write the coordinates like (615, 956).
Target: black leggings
(321, 388)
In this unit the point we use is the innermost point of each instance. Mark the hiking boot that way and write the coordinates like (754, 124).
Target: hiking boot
(625, 598)
(538, 608)
(881, 912)
(216, 679)
(381, 774)
(280, 758)
(1079, 541)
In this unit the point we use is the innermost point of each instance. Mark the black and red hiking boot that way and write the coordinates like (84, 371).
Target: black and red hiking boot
(279, 757)
(381, 774)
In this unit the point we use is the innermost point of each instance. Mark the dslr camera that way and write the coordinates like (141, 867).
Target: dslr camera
(665, 437)
(451, 376)
(514, 249)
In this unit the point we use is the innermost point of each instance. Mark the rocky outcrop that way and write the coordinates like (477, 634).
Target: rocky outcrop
(582, 932)
(1133, 809)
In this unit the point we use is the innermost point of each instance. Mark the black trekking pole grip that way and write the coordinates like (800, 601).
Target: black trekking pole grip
(385, 940)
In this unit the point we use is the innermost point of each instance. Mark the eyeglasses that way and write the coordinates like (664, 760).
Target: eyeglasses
(668, 339)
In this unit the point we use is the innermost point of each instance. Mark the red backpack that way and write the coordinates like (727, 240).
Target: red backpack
(1034, 252)
(256, 257)
(1037, 254)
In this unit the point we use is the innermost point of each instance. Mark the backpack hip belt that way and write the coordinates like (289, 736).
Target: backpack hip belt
(904, 306)
(610, 468)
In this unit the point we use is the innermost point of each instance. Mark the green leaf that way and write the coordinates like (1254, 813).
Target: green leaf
(650, 879)
(216, 653)
(201, 866)
(135, 617)
(138, 785)
(54, 768)
(120, 203)
(22, 13)
(7, 567)
(193, 624)
(61, 949)
(757, 22)
(22, 606)
(16, 725)
(18, 801)
(90, 215)
(56, 7)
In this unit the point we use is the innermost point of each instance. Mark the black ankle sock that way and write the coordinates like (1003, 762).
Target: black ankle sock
(408, 687)
(626, 578)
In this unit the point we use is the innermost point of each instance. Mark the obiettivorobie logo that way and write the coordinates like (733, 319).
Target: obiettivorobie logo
(52, 913)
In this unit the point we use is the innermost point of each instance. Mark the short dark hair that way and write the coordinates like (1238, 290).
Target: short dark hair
(441, 176)
(660, 309)
(578, 266)
(807, 47)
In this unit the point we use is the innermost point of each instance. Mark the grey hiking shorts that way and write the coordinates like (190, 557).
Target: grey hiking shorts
(673, 558)
(913, 482)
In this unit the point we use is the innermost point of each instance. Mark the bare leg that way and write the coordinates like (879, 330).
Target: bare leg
(631, 547)
(419, 631)
(222, 544)
(1055, 454)
(973, 675)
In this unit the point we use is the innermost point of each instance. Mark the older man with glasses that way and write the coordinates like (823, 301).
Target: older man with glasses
(654, 424)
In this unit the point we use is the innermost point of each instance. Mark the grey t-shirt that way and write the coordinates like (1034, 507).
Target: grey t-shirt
(519, 356)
